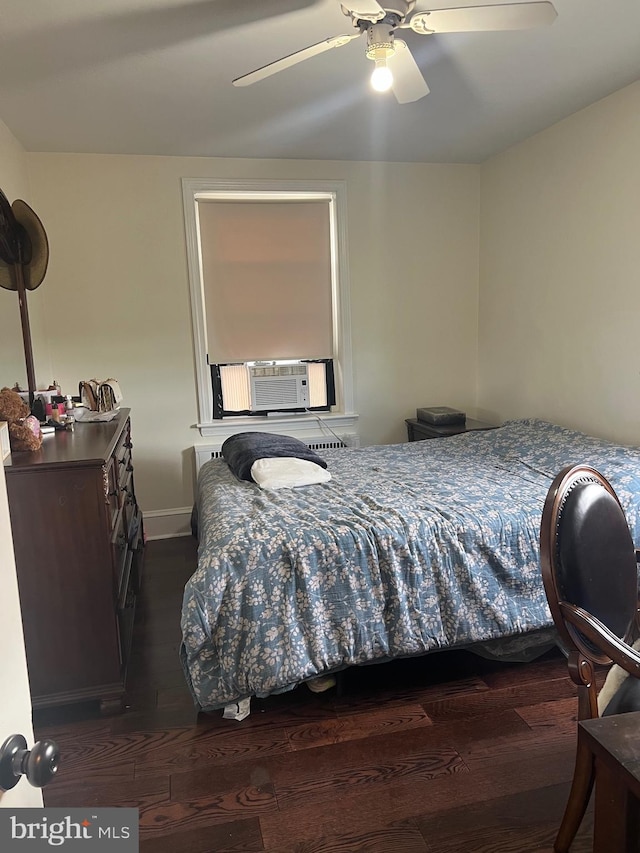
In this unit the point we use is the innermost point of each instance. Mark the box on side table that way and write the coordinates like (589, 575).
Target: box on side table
(440, 415)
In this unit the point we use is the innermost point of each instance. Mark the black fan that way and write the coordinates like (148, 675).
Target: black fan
(24, 255)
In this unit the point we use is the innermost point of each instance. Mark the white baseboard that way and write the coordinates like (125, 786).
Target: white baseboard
(167, 523)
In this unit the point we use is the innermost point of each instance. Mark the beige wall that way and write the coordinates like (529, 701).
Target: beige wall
(117, 293)
(559, 281)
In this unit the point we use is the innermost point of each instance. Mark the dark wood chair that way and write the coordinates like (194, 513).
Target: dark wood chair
(590, 575)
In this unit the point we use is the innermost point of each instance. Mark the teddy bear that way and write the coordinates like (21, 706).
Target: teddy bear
(24, 429)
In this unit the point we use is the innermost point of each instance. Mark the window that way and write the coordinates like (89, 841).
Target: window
(269, 283)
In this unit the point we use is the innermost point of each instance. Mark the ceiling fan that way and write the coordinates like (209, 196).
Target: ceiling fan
(396, 68)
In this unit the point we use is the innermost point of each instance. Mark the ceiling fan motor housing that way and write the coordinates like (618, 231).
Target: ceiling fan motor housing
(400, 8)
(395, 12)
(379, 42)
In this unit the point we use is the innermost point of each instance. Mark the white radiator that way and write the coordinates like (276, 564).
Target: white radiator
(205, 452)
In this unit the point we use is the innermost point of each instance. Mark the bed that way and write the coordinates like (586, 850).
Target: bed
(408, 549)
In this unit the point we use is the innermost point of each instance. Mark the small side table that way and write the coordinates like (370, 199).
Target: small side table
(419, 430)
(614, 743)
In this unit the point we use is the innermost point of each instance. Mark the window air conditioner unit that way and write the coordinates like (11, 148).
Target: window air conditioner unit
(278, 387)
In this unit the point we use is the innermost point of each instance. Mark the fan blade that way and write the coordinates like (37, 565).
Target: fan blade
(408, 83)
(508, 16)
(293, 59)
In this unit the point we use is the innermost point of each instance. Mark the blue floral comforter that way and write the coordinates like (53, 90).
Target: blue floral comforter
(408, 549)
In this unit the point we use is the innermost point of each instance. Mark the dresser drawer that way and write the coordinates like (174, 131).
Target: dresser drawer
(123, 448)
(112, 491)
(126, 615)
(129, 588)
(119, 550)
(123, 462)
(128, 504)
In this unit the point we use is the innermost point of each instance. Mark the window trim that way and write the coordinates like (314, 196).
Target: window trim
(335, 192)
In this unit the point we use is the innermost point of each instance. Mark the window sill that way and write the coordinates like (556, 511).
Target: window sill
(304, 426)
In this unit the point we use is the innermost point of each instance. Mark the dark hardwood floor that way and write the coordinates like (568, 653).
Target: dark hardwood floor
(440, 754)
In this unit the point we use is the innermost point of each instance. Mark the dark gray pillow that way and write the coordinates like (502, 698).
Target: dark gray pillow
(241, 450)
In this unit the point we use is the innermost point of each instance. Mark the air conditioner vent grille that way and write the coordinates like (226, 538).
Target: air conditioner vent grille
(316, 442)
(279, 370)
(283, 391)
(279, 387)
(327, 445)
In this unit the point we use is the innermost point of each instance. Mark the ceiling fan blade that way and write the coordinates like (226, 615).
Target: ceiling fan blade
(293, 59)
(408, 83)
(506, 16)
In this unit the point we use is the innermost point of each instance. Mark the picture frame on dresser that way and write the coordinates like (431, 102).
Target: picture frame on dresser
(79, 546)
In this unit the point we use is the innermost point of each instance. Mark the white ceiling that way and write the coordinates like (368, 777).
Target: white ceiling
(154, 77)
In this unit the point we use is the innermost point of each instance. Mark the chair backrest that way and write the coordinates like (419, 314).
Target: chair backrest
(588, 557)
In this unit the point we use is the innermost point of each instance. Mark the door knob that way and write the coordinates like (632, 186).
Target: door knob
(39, 764)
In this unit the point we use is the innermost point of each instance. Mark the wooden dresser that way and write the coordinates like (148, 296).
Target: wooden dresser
(78, 539)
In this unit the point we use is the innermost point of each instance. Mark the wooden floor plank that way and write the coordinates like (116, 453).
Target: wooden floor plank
(171, 817)
(137, 793)
(240, 836)
(68, 780)
(325, 761)
(398, 694)
(551, 665)
(523, 823)
(154, 719)
(191, 748)
(499, 699)
(394, 839)
(215, 779)
(418, 767)
(353, 726)
(560, 714)
(371, 810)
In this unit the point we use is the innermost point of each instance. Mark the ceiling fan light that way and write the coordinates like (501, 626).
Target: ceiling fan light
(381, 78)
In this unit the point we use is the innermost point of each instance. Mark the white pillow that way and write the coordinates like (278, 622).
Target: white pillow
(287, 472)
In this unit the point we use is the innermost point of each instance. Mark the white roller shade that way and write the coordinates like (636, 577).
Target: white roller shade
(266, 268)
